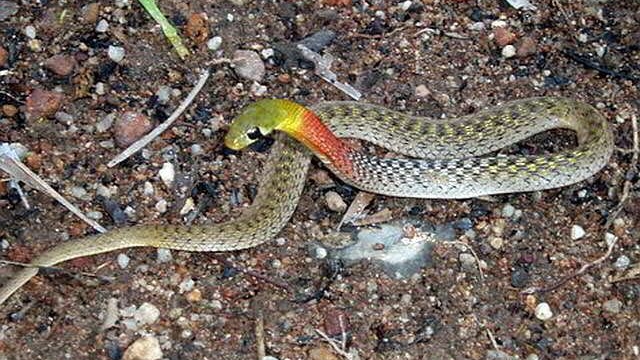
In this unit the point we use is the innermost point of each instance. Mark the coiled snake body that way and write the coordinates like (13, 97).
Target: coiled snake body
(446, 164)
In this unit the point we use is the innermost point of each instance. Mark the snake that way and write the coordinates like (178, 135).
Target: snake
(443, 159)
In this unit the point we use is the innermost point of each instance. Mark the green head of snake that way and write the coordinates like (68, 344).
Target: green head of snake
(256, 120)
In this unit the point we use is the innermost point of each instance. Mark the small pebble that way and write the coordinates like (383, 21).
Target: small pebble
(105, 123)
(4, 57)
(257, 89)
(163, 94)
(194, 295)
(334, 202)
(79, 192)
(508, 51)
(42, 103)
(320, 252)
(248, 65)
(532, 357)
(61, 65)
(508, 210)
(422, 91)
(543, 311)
(145, 348)
(214, 43)
(503, 36)
(188, 206)
(609, 238)
(498, 355)
(281, 241)
(146, 313)
(148, 189)
(30, 31)
(527, 46)
(467, 262)
(100, 88)
(267, 53)
(123, 261)
(186, 285)
(496, 242)
(577, 232)
(622, 262)
(613, 306)
(321, 353)
(164, 255)
(167, 174)
(116, 53)
(102, 26)
(196, 149)
(162, 206)
(406, 5)
(95, 215)
(129, 127)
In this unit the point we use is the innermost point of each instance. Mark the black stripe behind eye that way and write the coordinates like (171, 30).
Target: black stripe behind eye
(254, 134)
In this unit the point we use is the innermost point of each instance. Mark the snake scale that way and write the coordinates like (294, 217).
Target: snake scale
(445, 162)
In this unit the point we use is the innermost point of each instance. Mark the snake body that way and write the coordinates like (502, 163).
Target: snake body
(453, 168)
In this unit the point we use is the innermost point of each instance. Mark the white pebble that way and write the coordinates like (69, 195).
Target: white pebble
(30, 32)
(543, 311)
(163, 94)
(105, 123)
(258, 89)
(161, 206)
(189, 205)
(95, 215)
(498, 23)
(269, 358)
(116, 53)
(281, 241)
(622, 262)
(405, 5)
(146, 313)
(508, 51)
(79, 192)
(508, 211)
(320, 252)
(123, 261)
(577, 232)
(167, 174)
(186, 285)
(100, 89)
(103, 191)
(214, 43)
(609, 238)
(164, 255)
(102, 26)
(148, 189)
(276, 264)
(267, 53)
(196, 149)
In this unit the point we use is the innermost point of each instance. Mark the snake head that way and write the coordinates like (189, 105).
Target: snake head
(256, 120)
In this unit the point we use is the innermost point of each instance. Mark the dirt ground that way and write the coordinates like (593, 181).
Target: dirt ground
(430, 57)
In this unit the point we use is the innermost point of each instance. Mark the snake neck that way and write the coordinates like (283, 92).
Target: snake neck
(306, 127)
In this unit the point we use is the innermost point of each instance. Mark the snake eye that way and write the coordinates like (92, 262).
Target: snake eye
(254, 134)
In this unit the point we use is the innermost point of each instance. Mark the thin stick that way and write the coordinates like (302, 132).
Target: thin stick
(19, 171)
(473, 253)
(334, 345)
(255, 274)
(136, 146)
(260, 336)
(55, 268)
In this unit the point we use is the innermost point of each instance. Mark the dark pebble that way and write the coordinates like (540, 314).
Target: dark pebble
(463, 224)
(519, 278)
(115, 211)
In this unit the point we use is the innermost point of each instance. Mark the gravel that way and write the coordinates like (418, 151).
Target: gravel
(577, 232)
(543, 311)
(214, 43)
(248, 65)
(115, 53)
(123, 261)
(145, 348)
